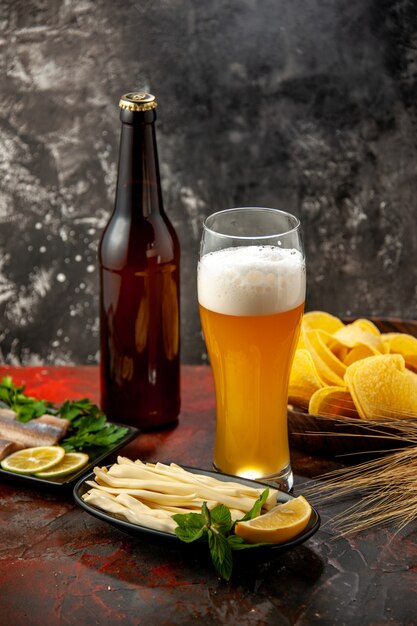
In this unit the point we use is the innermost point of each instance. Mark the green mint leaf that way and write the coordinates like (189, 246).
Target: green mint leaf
(189, 534)
(218, 532)
(238, 543)
(189, 520)
(206, 514)
(256, 509)
(221, 518)
(221, 554)
(190, 527)
(193, 526)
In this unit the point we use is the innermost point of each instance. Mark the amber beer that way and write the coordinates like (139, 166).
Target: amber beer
(139, 258)
(251, 302)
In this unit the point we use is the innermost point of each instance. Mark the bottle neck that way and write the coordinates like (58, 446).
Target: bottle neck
(138, 182)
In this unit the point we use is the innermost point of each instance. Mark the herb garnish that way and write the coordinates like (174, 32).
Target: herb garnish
(216, 527)
(24, 406)
(89, 427)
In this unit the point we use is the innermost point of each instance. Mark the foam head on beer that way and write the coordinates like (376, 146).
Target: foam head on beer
(251, 280)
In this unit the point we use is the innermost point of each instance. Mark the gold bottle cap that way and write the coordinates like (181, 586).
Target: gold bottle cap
(138, 101)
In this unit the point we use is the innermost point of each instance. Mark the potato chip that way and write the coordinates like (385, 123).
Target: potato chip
(304, 379)
(330, 369)
(386, 337)
(301, 343)
(339, 350)
(401, 343)
(349, 376)
(359, 352)
(354, 334)
(382, 387)
(332, 401)
(367, 326)
(318, 320)
(337, 364)
(322, 321)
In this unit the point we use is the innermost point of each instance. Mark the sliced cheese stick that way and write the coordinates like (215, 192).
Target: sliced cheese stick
(184, 474)
(146, 469)
(199, 495)
(199, 490)
(143, 494)
(230, 497)
(150, 485)
(167, 486)
(135, 517)
(174, 470)
(132, 503)
(130, 472)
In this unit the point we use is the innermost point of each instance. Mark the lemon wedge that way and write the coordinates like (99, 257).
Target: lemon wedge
(282, 523)
(31, 460)
(71, 462)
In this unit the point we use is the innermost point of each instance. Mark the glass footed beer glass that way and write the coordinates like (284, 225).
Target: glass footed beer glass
(251, 292)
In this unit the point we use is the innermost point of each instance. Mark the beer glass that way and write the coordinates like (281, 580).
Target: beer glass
(251, 292)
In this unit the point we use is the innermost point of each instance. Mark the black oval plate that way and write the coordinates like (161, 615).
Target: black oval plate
(136, 530)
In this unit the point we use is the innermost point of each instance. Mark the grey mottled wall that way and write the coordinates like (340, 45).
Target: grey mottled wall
(305, 105)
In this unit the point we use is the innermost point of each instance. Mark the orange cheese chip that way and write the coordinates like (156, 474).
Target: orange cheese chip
(382, 387)
(304, 379)
(332, 401)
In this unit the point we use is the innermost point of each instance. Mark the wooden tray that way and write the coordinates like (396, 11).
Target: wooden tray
(338, 435)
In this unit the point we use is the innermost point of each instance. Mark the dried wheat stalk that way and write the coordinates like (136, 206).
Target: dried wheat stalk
(386, 485)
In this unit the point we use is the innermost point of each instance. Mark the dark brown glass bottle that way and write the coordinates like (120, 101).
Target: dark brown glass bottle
(139, 258)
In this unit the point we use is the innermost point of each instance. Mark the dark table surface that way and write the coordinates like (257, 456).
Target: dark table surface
(60, 565)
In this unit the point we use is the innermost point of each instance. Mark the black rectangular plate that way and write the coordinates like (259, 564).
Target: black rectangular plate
(67, 481)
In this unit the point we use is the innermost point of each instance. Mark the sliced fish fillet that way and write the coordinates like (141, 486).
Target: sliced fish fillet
(59, 423)
(7, 447)
(11, 415)
(33, 433)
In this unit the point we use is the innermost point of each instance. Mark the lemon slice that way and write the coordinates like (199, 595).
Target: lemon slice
(71, 462)
(280, 524)
(31, 460)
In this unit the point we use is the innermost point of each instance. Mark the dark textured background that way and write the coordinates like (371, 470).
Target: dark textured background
(305, 105)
